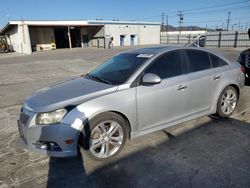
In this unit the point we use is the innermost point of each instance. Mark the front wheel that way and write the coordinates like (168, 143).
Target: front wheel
(108, 133)
(227, 102)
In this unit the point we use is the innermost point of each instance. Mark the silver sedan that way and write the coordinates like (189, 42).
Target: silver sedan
(132, 94)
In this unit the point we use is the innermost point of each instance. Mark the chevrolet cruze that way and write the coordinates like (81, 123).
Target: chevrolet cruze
(132, 94)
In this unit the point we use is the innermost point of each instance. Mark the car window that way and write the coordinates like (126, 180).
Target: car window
(216, 61)
(197, 60)
(167, 65)
(118, 69)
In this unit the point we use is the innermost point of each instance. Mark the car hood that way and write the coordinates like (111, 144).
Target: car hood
(71, 92)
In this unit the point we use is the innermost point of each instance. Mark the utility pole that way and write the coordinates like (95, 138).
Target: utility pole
(167, 23)
(162, 21)
(180, 20)
(228, 19)
(239, 25)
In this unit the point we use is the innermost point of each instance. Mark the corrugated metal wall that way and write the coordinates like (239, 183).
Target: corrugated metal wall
(213, 39)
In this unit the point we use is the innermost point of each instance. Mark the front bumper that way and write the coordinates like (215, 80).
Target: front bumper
(30, 136)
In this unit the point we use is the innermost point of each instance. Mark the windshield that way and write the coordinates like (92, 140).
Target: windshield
(118, 69)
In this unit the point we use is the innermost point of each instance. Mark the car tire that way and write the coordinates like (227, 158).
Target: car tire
(227, 102)
(104, 136)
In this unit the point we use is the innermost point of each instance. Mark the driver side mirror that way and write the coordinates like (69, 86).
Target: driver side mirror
(150, 78)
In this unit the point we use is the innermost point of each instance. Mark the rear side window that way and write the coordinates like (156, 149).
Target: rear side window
(168, 65)
(197, 60)
(216, 61)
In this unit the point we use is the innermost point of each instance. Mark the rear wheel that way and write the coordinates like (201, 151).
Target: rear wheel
(227, 102)
(107, 135)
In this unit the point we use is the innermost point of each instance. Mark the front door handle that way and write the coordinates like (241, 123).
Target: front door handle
(216, 77)
(182, 87)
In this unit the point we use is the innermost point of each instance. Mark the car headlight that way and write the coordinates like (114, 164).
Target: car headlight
(46, 118)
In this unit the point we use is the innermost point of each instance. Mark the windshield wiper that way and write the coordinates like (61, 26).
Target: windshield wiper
(99, 79)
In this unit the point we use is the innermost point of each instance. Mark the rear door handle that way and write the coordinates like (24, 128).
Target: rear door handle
(182, 87)
(216, 77)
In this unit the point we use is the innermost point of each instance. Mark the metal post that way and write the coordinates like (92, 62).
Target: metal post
(167, 27)
(104, 38)
(166, 23)
(70, 45)
(236, 39)
(219, 42)
(198, 42)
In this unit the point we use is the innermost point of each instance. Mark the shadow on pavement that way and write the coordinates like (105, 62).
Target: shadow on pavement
(67, 172)
(247, 82)
(215, 154)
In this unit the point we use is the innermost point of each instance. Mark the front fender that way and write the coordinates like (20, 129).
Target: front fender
(81, 114)
(121, 101)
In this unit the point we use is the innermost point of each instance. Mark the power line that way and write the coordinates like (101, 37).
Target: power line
(207, 21)
(218, 10)
(192, 11)
(209, 7)
(215, 6)
(219, 20)
(197, 10)
(241, 18)
(228, 7)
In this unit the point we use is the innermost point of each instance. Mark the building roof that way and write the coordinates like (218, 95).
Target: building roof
(72, 23)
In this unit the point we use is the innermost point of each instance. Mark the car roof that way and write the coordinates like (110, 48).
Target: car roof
(160, 49)
(151, 50)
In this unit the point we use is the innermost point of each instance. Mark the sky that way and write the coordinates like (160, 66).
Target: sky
(204, 13)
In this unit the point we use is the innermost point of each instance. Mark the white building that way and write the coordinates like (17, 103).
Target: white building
(28, 36)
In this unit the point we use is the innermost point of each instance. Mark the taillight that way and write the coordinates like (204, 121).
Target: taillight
(242, 69)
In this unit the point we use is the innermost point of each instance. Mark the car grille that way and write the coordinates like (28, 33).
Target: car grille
(247, 60)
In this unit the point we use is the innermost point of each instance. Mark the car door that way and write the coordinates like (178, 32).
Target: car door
(202, 81)
(218, 66)
(165, 102)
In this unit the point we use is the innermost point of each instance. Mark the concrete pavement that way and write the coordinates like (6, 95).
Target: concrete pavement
(206, 152)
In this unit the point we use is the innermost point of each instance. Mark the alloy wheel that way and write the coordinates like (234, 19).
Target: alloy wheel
(228, 101)
(106, 139)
